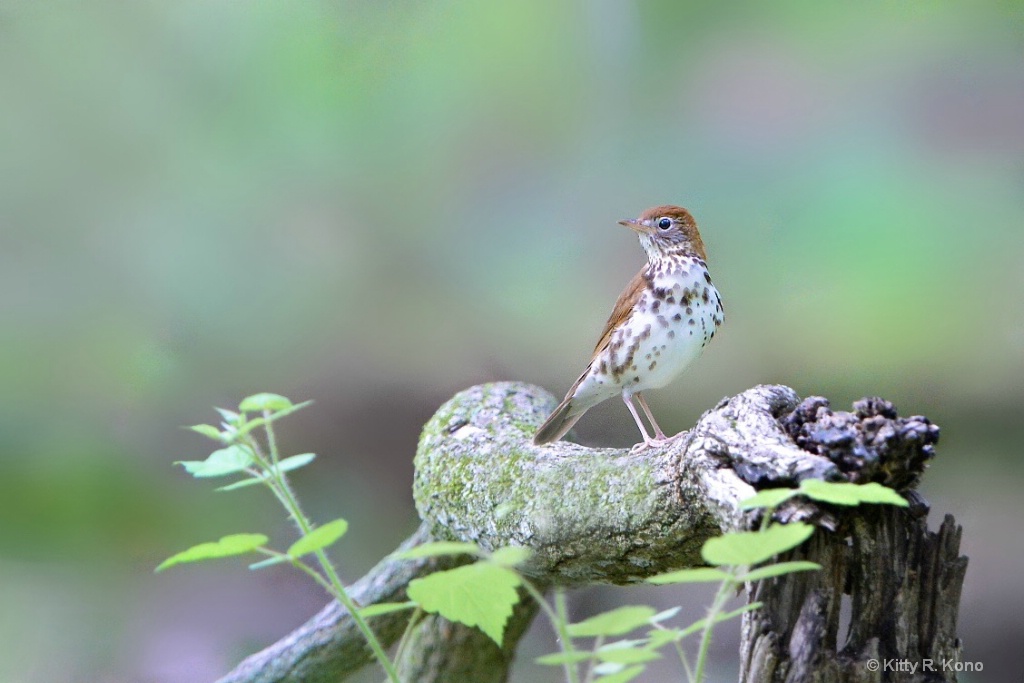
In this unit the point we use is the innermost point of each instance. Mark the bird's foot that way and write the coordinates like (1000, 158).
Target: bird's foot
(656, 442)
(649, 443)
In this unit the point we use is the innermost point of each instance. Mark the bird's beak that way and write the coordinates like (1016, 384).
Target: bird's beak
(635, 225)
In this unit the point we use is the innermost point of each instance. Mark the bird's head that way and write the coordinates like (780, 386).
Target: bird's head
(667, 232)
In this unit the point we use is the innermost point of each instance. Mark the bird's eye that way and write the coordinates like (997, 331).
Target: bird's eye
(665, 223)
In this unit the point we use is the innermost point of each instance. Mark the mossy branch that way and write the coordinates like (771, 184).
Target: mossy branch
(603, 515)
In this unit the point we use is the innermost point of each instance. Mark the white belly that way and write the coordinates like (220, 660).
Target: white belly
(671, 324)
(668, 351)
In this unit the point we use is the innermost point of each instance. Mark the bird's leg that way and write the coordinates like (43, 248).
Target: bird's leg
(648, 441)
(658, 434)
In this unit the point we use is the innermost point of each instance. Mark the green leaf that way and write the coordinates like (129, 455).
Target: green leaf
(287, 465)
(260, 421)
(698, 575)
(385, 608)
(294, 462)
(769, 498)
(269, 562)
(845, 493)
(628, 654)
(778, 570)
(225, 461)
(625, 642)
(741, 610)
(257, 403)
(868, 493)
(243, 428)
(511, 556)
(438, 548)
(480, 594)
(614, 622)
(695, 627)
(607, 668)
(235, 544)
(698, 626)
(559, 658)
(665, 615)
(208, 431)
(319, 538)
(661, 636)
(621, 676)
(752, 547)
(242, 483)
(230, 417)
(876, 493)
(830, 492)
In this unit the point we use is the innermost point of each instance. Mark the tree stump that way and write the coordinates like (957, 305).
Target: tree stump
(612, 516)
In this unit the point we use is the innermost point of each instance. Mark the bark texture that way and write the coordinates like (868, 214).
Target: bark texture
(615, 516)
(440, 652)
(901, 582)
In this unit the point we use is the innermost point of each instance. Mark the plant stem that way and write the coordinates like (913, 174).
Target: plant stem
(589, 676)
(407, 633)
(559, 623)
(278, 483)
(562, 609)
(678, 645)
(279, 476)
(682, 658)
(721, 597)
(353, 609)
(302, 566)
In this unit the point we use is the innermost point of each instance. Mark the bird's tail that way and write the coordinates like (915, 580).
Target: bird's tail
(560, 421)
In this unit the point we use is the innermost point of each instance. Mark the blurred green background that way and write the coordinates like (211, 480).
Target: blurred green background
(376, 204)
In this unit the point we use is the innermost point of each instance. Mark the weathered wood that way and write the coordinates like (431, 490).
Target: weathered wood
(615, 516)
(903, 584)
(441, 652)
(903, 581)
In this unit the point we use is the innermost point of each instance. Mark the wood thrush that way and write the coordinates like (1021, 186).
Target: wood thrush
(660, 324)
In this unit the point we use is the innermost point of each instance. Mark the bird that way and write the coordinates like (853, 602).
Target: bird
(660, 324)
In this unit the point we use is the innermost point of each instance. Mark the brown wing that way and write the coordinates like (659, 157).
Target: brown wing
(572, 407)
(623, 306)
